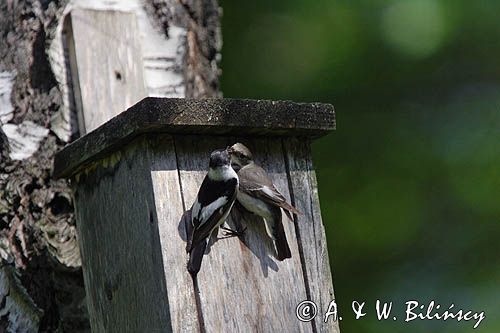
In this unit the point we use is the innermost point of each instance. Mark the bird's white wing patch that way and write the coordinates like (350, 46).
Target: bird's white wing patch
(255, 205)
(207, 211)
(270, 192)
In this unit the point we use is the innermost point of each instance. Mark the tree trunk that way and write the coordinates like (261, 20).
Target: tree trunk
(41, 284)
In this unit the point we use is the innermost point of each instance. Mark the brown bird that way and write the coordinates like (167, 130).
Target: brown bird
(258, 195)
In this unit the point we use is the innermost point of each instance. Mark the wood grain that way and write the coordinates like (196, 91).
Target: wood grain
(310, 229)
(243, 288)
(120, 242)
(132, 214)
(200, 117)
(170, 210)
(106, 64)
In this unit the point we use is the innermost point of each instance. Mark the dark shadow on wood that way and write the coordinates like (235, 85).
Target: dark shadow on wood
(255, 238)
(113, 288)
(185, 228)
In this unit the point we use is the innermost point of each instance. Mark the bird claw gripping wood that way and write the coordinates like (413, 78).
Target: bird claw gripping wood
(228, 233)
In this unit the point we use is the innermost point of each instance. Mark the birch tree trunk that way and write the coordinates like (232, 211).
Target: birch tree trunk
(41, 284)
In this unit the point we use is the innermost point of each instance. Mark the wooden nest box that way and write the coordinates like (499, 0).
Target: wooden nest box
(135, 176)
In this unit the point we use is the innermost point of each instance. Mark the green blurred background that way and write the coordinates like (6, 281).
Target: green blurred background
(410, 181)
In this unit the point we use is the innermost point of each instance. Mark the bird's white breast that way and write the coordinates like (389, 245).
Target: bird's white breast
(223, 173)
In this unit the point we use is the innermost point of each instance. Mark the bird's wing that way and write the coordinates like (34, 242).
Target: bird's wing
(255, 182)
(203, 214)
(209, 209)
(275, 229)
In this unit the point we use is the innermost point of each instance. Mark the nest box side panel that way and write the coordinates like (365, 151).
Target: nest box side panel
(172, 233)
(120, 246)
(304, 191)
(242, 287)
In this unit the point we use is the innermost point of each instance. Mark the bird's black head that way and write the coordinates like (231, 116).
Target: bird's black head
(219, 158)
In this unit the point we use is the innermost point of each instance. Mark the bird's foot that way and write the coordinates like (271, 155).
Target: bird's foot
(228, 233)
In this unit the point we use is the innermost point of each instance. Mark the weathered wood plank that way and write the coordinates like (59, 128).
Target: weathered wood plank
(121, 245)
(188, 116)
(163, 51)
(163, 56)
(169, 209)
(106, 64)
(43, 228)
(310, 229)
(243, 288)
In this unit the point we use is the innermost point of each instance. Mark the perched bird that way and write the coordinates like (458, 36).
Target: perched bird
(258, 195)
(215, 198)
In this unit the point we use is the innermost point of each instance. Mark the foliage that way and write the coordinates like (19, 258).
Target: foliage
(410, 181)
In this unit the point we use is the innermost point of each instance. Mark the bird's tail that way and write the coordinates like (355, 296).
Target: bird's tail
(195, 257)
(277, 232)
(289, 210)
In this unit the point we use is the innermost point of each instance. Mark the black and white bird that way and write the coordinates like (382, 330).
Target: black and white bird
(258, 195)
(216, 196)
